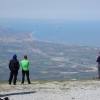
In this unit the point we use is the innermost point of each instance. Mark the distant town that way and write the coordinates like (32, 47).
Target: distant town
(48, 61)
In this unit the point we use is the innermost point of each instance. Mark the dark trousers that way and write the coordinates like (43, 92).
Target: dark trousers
(99, 70)
(27, 75)
(13, 75)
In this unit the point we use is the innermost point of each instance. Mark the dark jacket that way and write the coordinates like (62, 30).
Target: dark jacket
(98, 59)
(14, 64)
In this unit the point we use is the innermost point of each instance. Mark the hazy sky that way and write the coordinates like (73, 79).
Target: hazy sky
(54, 9)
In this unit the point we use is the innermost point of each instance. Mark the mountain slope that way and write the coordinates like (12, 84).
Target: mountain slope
(48, 61)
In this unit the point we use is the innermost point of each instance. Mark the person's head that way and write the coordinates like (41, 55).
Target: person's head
(14, 56)
(25, 57)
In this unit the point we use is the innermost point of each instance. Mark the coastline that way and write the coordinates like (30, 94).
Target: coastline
(32, 36)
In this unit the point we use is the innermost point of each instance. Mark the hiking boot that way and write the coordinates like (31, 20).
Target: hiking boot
(9, 83)
(29, 83)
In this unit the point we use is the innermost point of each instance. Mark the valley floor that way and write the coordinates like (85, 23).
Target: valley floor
(52, 90)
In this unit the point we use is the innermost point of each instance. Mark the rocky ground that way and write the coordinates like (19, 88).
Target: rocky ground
(52, 90)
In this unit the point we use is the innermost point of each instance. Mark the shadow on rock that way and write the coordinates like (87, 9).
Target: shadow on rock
(18, 93)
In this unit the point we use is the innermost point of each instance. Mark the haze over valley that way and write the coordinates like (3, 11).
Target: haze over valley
(48, 61)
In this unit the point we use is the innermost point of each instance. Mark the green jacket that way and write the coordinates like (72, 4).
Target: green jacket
(25, 65)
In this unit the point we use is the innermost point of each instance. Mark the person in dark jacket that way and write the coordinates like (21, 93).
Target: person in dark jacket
(14, 67)
(98, 60)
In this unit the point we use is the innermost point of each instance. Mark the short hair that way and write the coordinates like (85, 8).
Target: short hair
(25, 56)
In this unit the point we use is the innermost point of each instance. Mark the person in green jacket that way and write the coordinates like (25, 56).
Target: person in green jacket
(25, 69)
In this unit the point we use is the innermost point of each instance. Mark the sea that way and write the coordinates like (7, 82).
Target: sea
(82, 33)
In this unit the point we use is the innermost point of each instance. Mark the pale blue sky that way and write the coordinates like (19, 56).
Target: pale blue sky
(51, 9)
